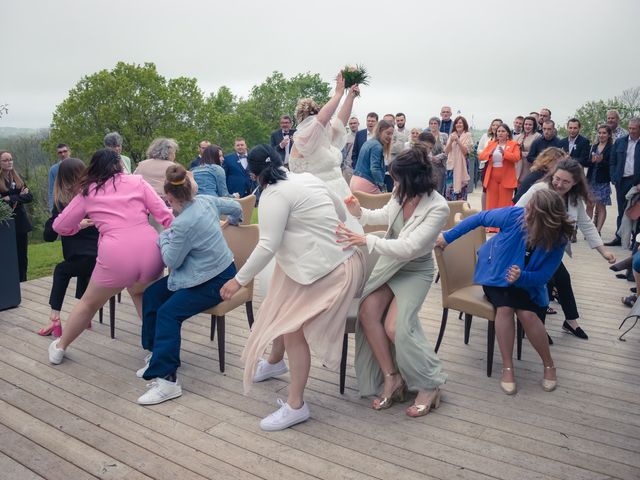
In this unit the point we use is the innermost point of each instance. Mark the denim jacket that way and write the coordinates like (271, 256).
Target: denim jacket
(370, 164)
(211, 180)
(193, 247)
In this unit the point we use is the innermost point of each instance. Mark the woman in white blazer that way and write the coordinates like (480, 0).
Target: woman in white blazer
(313, 283)
(392, 352)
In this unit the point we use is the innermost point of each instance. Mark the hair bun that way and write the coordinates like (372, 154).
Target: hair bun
(176, 174)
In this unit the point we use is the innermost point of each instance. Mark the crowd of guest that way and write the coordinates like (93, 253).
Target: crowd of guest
(120, 230)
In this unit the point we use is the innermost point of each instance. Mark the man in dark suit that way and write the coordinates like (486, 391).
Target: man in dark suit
(576, 145)
(625, 169)
(201, 147)
(282, 139)
(362, 136)
(548, 139)
(236, 169)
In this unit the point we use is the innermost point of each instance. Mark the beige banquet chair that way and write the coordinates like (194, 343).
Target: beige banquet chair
(242, 240)
(373, 201)
(456, 264)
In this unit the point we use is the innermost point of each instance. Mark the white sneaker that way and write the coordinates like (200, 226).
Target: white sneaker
(55, 354)
(161, 390)
(284, 417)
(267, 370)
(147, 360)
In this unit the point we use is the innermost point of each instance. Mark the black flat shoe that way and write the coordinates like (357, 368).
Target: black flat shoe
(616, 242)
(578, 332)
(633, 290)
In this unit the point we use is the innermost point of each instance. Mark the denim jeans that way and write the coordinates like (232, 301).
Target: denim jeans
(163, 312)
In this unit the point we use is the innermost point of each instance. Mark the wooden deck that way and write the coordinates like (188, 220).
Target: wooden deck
(80, 420)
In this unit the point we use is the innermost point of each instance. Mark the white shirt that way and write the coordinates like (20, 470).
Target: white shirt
(369, 135)
(298, 221)
(497, 158)
(630, 161)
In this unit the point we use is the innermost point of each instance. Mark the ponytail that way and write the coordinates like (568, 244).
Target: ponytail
(266, 164)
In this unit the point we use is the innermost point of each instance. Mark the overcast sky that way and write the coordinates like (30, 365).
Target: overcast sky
(485, 58)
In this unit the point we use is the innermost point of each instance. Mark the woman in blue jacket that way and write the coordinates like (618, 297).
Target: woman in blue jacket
(514, 267)
(368, 174)
(200, 262)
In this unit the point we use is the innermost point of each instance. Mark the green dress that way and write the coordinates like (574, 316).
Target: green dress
(413, 355)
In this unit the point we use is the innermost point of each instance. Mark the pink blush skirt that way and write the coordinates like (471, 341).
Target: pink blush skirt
(359, 184)
(319, 308)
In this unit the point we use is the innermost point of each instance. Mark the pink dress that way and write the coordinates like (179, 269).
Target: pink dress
(127, 247)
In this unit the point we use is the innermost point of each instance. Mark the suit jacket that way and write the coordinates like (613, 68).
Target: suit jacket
(361, 137)
(276, 138)
(238, 179)
(619, 157)
(195, 162)
(581, 150)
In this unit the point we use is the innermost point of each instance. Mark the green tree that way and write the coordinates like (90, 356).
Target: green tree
(134, 100)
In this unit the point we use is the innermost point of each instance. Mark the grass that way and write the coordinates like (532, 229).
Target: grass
(43, 257)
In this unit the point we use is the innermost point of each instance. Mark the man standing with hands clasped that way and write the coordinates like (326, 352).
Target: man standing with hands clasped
(282, 139)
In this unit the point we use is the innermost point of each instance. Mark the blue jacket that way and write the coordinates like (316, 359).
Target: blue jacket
(211, 180)
(194, 247)
(371, 163)
(507, 248)
(238, 179)
(618, 159)
(581, 151)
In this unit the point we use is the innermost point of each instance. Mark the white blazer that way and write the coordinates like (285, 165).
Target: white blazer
(420, 231)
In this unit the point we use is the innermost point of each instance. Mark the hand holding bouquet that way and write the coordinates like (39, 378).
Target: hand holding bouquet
(355, 76)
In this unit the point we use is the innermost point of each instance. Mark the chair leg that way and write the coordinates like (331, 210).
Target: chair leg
(443, 325)
(112, 316)
(491, 338)
(343, 362)
(220, 327)
(460, 315)
(213, 328)
(120, 297)
(519, 335)
(100, 315)
(467, 327)
(437, 278)
(249, 307)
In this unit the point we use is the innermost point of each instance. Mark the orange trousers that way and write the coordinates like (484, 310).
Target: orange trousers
(497, 195)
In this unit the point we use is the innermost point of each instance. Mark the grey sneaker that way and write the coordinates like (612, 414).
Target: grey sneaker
(147, 360)
(266, 370)
(160, 391)
(55, 354)
(284, 417)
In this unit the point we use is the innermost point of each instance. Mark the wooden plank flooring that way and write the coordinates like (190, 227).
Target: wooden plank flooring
(80, 420)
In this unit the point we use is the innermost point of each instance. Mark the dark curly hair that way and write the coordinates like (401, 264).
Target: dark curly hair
(413, 173)
(104, 165)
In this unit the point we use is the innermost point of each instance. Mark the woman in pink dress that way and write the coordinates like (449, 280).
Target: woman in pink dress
(128, 254)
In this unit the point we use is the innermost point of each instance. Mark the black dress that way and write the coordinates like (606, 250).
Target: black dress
(514, 297)
(17, 199)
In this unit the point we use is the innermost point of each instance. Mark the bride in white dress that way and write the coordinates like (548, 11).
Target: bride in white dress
(319, 139)
(317, 145)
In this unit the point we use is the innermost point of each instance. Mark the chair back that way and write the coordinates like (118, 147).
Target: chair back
(456, 206)
(457, 263)
(247, 203)
(242, 240)
(373, 201)
(479, 234)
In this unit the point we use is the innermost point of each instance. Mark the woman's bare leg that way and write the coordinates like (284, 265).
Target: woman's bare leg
(537, 335)
(299, 363)
(94, 297)
(505, 334)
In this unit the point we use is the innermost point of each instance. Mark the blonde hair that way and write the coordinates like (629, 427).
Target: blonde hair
(548, 157)
(305, 108)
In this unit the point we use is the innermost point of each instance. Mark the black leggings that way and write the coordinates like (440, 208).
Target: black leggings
(80, 267)
(22, 242)
(562, 281)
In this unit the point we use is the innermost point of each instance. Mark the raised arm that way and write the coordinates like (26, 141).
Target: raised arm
(329, 108)
(345, 111)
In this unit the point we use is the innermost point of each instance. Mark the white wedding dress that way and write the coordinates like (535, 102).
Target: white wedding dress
(320, 149)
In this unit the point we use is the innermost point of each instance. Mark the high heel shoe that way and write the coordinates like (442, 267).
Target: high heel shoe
(398, 395)
(508, 387)
(549, 385)
(55, 329)
(420, 410)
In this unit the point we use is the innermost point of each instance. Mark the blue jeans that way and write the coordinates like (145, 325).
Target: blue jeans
(163, 312)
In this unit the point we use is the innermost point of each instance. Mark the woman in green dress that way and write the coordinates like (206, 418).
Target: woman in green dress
(392, 352)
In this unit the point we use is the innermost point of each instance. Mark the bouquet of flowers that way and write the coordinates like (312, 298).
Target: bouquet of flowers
(355, 76)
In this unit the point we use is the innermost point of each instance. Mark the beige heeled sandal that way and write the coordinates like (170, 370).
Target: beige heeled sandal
(549, 385)
(398, 395)
(508, 387)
